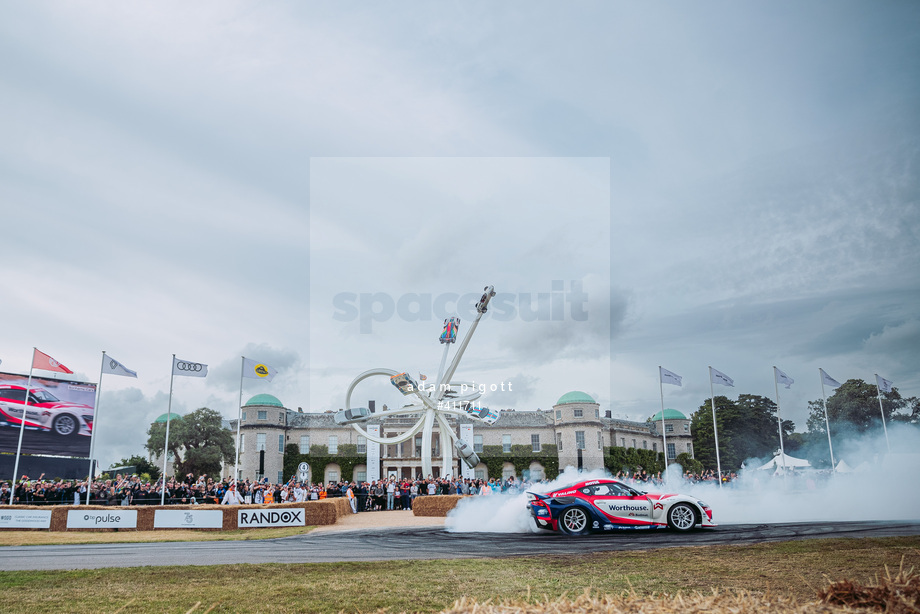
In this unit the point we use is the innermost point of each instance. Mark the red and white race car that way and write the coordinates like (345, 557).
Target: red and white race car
(45, 411)
(604, 505)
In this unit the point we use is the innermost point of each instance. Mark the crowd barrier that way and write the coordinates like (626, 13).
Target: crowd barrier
(170, 517)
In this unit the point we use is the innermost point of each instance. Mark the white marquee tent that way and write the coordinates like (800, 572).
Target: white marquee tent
(780, 459)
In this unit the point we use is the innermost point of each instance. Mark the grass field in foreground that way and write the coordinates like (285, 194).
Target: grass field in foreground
(56, 538)
(796, 569)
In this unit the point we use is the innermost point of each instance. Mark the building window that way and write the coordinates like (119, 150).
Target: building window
(668, 428)
(597, 412)
(672, 452)
(260, 442)
(622, 442)
(280, 417)
(690, 449)
(579, 413)
(535, 443)
(655, 447)
(634, 443)
(281, 443)
(477, 444)
(333, 475)
(362, 446)
(558, 414)
(644, 444)
(686, 427)
(304, 444)
(262, 415)
(506, 444)
(418, 444)
(480, 474)
(579, 440)
(244, 416)
(242, 443)
(360, 476)
(600, 441)
(280, 477)
(559, 442)
(333, 444)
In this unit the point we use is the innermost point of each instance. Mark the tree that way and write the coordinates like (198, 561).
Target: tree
(747, 429)
(853, 408)
(141, 465)
(198, 441)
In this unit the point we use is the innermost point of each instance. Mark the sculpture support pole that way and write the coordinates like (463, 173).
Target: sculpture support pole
(426, 442)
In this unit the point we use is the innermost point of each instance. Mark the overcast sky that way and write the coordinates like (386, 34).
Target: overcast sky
(726, 184)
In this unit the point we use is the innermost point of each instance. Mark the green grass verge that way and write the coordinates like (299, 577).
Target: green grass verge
(795, 569)
(53, 538)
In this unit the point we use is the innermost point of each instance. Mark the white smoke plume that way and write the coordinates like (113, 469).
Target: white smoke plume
(883, 486)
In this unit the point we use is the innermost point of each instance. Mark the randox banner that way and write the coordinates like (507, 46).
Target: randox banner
(94, 519)
(293, 517)
(24, 519)
(188, 519)
(59, 417)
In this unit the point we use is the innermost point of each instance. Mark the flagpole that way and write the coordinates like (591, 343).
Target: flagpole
(92, 438)
(779, 424)
(664, 439)
(239, 421)
(22, 428)
(715, 429)
(172, 375)
(827, 422)
(879, 390)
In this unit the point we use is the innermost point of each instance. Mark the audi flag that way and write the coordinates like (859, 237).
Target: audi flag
(189, 368)
(40, 360)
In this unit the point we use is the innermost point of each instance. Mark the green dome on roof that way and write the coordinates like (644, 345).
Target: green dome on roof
(669, 414)
(576, 396)
(172, 416)
(264, 399)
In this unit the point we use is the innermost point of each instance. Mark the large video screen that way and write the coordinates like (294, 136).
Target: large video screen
(58, 419)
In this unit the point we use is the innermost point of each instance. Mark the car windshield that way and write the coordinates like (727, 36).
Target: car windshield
(43, 396)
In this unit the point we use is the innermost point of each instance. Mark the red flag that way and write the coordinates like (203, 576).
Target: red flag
(40, 360)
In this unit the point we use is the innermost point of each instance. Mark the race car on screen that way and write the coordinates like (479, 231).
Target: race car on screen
(46, 411)
(603, 505)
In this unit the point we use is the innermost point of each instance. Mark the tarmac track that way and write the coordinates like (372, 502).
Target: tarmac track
(419, 543)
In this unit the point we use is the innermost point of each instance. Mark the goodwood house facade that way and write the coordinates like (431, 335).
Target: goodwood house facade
(527, 444)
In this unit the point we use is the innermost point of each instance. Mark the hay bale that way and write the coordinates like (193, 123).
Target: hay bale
(435, 505)
(896, 595)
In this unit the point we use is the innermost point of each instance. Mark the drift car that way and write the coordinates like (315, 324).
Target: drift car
(603, 505)
(45, 411)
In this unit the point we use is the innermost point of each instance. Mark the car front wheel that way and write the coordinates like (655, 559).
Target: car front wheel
(681, 517)
(65, 425)
(573, 521)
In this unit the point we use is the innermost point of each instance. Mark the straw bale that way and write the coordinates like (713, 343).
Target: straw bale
(896, 595)
(435, 505)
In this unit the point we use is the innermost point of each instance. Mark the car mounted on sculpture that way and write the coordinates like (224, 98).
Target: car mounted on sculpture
(45, 411)
(606, 504)
(467, 455)
(348, 416)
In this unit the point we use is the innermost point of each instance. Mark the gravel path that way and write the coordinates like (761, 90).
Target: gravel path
(380, 520)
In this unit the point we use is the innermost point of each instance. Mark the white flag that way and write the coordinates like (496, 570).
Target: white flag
(883, 384)
(110, 365)
(189, 368)
(667, 377)
(718, 377)
(257, 370)
(782, 378)
(827, 379)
